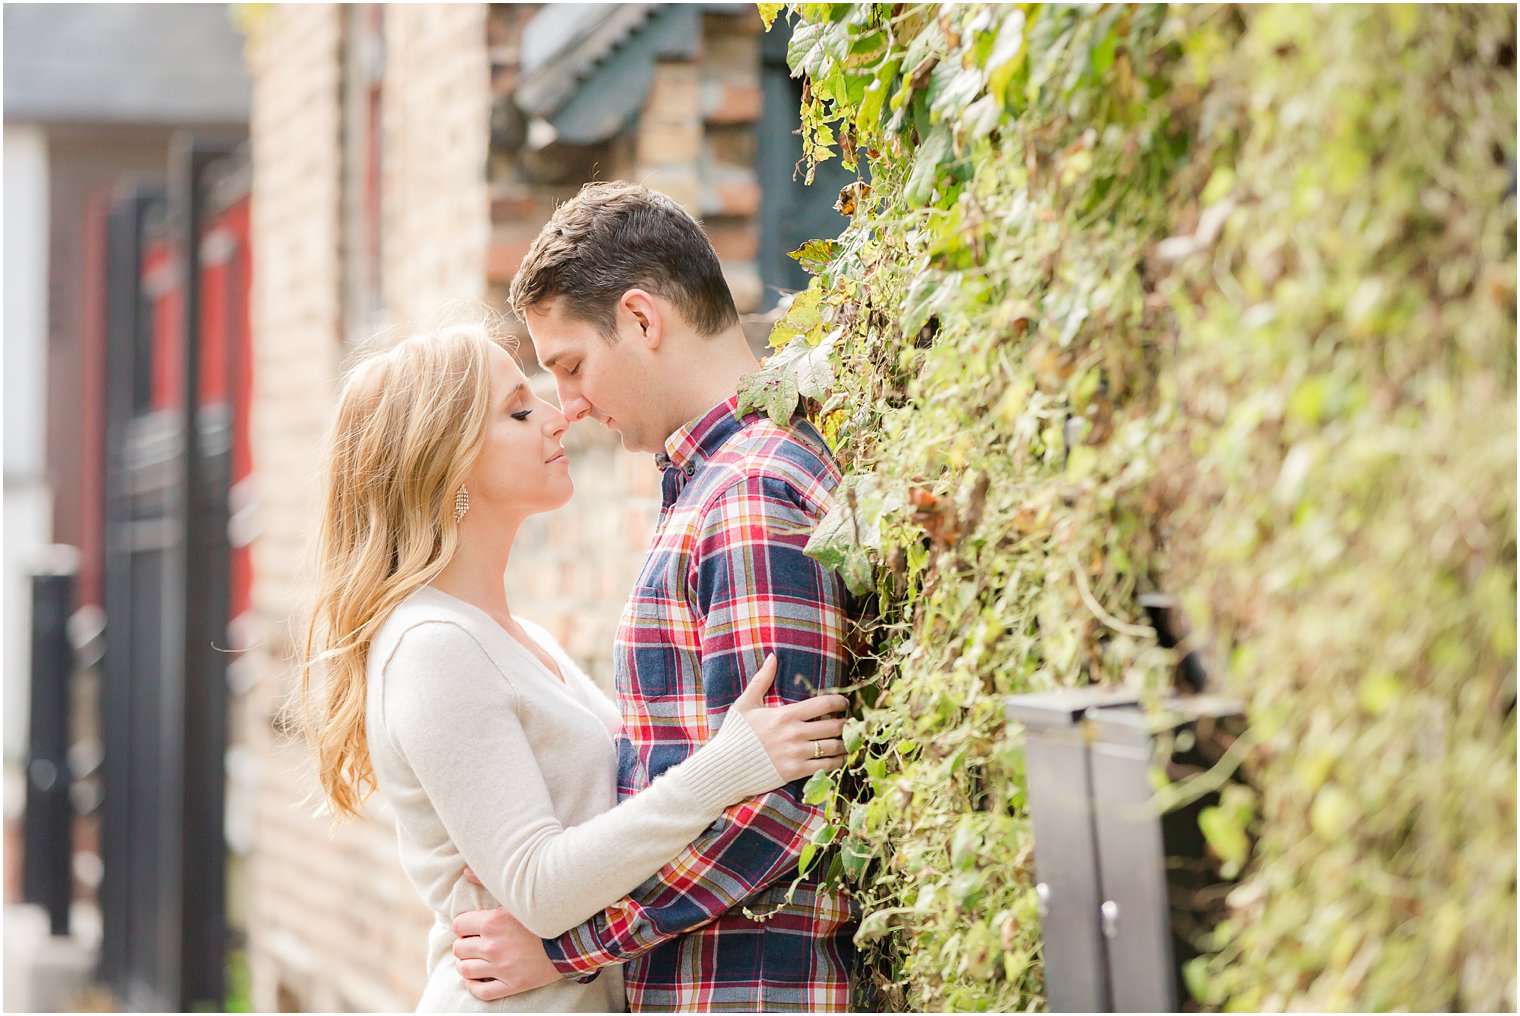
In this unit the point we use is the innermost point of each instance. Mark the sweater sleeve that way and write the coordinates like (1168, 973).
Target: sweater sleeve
(454, 716)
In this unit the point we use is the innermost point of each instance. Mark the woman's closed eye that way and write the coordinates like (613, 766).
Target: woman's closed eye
(522, 414)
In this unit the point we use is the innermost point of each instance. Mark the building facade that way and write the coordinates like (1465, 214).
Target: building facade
(94, 97)
(101, 102)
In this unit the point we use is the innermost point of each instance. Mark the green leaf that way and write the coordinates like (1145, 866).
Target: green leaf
(814, 256)
(1081, 462)
(1226, 834)
(921, 300)
(859, 575)
(1196, 973)
(981, 117)
(804, 52)
(1007, 57)
(798, 370)
(868, 44)
(805, 861)
(868, 114)
(819, 788)
(1102, 56)
(825, 835)
(969, 887)
(1221, 182)
(1379, 692)
(833, 545)
(1333, 812)
(1085, 388)
(934, 153)
(1307, 403)
(966, 846)
(954, 88)
(855, 858)
(851, 530)
(802, 316)
(810, 366)
(854, 735)
(877, 924)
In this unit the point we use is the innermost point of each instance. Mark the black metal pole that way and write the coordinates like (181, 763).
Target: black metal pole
(47, 862)
(203, 705)
(124, 326)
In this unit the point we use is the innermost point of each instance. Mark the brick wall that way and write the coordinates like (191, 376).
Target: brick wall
(435, 142)
(730, 106)
(331, 922)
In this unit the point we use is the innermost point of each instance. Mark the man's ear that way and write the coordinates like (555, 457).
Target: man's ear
(645, 317)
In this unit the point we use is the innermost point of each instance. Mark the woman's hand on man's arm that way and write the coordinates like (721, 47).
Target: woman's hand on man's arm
(801, 738)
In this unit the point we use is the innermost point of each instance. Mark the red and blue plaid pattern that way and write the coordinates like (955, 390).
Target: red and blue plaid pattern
(726, 582)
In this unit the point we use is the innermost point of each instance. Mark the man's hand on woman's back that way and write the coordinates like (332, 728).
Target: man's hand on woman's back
(497, 956)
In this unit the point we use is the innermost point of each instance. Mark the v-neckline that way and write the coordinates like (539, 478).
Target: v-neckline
(558, 678)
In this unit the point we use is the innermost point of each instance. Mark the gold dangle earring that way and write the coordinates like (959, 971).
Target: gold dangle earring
(461, 503)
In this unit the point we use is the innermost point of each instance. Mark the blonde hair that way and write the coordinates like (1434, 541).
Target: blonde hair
(410, 422)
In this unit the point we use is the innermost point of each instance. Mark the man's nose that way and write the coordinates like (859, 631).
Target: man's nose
(572, 403)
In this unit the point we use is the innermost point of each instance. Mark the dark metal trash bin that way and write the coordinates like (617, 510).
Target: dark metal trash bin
(1116, 880)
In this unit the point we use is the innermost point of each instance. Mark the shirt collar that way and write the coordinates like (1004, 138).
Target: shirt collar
(698, 439)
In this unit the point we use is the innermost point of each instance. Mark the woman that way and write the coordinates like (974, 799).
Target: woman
(495, 751)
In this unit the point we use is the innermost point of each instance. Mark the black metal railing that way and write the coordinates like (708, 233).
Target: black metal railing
(164, 692)
(48, 837)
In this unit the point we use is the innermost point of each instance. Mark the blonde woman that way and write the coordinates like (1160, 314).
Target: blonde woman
(494, 750)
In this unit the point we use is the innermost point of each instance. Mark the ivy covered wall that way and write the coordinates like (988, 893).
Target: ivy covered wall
(1214, 302)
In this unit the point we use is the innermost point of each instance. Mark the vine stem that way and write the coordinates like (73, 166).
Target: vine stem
(1185, 791)
(1122, 627)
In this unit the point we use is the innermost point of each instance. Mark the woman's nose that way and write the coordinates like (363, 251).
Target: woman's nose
(554, 422)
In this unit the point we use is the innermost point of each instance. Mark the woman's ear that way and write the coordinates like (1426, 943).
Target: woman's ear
(644, 317)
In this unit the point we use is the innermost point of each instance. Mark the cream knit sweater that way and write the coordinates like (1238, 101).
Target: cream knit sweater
(490, 761)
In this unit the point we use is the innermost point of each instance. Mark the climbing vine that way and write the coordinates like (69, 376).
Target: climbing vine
(1214, 302)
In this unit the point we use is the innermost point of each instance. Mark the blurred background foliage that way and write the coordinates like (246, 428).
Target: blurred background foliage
(1215, 302)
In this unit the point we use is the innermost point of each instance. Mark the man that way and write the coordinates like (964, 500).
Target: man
(626, 303)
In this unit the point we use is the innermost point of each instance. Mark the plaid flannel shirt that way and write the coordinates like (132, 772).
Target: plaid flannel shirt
(724, 583)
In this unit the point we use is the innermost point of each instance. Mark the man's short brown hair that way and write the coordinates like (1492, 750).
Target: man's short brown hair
(616, 236)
